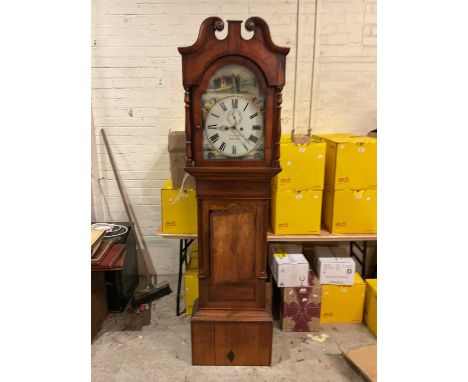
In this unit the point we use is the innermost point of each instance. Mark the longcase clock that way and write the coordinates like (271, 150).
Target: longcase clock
(233, 102)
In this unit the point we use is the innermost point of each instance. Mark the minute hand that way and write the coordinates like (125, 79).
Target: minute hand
(241, 135)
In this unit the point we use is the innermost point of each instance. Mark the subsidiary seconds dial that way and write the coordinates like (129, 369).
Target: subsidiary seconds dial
(234, 126)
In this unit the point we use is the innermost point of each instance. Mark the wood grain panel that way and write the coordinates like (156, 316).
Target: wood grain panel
(234, 292)
(203, 343)
(243, 344)
(232, 246)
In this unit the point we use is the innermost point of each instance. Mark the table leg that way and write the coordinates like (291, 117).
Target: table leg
(363, 260)
(179, 280)
(183, 251)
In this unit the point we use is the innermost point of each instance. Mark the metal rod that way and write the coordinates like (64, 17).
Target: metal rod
(179, 281)
(364, 260)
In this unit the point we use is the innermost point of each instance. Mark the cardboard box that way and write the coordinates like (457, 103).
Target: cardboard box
(194, 249)
(176, 145)
(296, 212)
(193, 253)
(193, 263)
(303, 165)
(288, 265)
(179, 210)
(364, 360)
(336, 270)
(350, 211)
(370, 306)
(343, 304)
(300, 307)
(191, 289)
(351, 163)
(333, 265)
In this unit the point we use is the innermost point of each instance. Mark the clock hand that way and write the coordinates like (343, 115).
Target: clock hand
(234, 128)
(241, 135)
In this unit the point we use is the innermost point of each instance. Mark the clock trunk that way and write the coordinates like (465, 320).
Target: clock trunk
(230, 323)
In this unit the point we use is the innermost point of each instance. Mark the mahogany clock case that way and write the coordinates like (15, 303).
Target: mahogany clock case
(230, 323)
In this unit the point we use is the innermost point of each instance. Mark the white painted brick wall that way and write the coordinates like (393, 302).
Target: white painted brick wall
(138, 96)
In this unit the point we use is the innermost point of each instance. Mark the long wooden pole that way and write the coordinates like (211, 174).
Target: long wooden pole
(141, 246)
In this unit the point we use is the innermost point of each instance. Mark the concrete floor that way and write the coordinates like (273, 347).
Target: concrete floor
(155, 346)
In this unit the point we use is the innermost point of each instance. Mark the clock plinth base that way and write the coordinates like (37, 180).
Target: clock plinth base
(222, 337)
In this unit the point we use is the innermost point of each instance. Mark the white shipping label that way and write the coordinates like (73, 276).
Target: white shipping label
(358, 196)
(185, 195)
(361, 149)
(299, 196)
(302, 149)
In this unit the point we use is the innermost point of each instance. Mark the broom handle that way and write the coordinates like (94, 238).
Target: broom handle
(128, 207)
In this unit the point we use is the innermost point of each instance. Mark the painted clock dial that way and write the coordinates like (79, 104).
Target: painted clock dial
(233, 116)
(234, 126)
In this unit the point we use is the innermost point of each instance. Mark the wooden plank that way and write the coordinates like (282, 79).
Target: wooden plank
(365, 360)
(175, 235)
(324, 236)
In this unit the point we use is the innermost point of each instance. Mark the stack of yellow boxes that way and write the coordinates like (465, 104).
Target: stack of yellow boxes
(191, 280)
(297, 190)
(350, 196)
(179, 210)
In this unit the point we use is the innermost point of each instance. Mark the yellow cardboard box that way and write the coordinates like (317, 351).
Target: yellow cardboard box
(193, 256)
(179, 210)
(193, 263)
(303, 166)
(351, 163)
(341, 303)
(370, 306)
(350, 211)
(194, 249)
(191, 289)
(296, 212)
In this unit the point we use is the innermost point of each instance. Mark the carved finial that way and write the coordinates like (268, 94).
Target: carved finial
(250, 25)
(218, 25)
